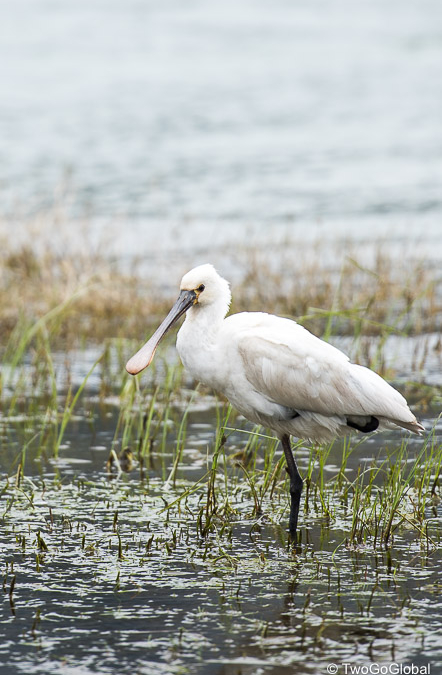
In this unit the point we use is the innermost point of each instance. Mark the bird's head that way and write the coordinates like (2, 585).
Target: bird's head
(199, 288)
(209, 287)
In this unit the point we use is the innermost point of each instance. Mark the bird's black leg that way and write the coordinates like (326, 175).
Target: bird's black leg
(296, 484)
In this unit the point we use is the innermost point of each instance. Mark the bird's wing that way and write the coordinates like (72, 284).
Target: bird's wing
(294, 368)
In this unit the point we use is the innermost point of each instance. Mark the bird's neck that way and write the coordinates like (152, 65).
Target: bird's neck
(197, 343)
(205, 321)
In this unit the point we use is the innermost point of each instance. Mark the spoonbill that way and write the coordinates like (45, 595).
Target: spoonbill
(275, 372)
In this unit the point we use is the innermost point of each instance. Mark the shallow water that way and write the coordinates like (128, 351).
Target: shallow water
(82, 607)
(134, 573)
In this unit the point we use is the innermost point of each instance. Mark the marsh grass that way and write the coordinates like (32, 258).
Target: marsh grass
(51, 302)
(208, 549)
(168, 511)
(397, 490)
(80, 295)
(244, 475)
(347, 296)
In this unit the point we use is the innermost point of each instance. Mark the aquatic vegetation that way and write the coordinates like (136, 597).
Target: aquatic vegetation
(185, 563)
(149, 517)
(85, 296)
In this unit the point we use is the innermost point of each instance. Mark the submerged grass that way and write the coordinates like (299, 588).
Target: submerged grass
(180, 553)
(398, 488)
(244, 476)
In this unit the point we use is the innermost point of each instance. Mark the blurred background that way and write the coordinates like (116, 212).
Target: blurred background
(177, 132)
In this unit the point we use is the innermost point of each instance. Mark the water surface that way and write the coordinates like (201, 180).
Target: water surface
(194, 125)
(134, 573)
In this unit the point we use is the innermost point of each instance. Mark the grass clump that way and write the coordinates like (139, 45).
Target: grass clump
(346, 297)
(97, 299)
(52, 301)
(331, 289)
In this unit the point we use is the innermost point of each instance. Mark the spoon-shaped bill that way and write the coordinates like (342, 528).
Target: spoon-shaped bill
(144, 356)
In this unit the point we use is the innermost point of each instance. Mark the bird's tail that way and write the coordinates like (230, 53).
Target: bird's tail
(416, 427)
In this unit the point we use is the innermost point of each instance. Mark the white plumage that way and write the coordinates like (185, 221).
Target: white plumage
(274, 371)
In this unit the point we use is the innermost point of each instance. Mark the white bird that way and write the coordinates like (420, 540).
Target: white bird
(275, 372)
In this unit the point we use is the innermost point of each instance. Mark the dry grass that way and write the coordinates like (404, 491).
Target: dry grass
(101, 298)
(399, 293)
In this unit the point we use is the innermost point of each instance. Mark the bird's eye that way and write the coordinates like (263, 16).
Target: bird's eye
(200, 288)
